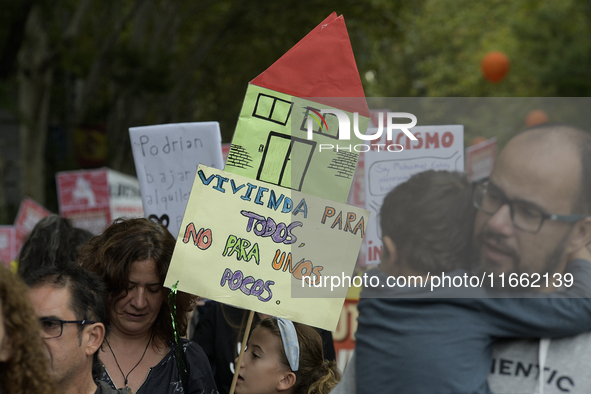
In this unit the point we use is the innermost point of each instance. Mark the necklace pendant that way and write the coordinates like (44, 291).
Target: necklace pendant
(138, 363)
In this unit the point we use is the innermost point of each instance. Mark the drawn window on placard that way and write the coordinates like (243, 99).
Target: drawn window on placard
(272, 109)
(285, 160)
(331, 121)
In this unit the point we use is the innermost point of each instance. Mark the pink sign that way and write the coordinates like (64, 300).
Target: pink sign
(29, 214)
(8, 245)
(84, 198)
(480, 159)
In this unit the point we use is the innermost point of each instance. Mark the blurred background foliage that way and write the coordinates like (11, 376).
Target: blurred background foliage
(76, 74)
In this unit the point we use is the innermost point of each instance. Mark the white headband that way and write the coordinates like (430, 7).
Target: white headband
(290, 342)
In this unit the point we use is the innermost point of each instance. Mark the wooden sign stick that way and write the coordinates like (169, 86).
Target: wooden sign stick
(243, 348)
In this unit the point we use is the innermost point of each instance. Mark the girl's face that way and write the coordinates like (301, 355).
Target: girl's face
(261, 369)
(135, 313)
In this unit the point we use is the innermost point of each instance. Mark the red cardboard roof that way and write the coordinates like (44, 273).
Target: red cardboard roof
(320, 65)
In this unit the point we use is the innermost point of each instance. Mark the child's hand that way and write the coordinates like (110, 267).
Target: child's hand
(583, 253)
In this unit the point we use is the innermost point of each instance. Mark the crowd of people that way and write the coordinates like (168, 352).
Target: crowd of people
(90, 314)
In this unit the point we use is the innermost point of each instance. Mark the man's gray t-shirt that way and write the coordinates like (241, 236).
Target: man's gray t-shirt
(567, 367)
(515, 367)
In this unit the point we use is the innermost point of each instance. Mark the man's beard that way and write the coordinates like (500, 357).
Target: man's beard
(550, 265)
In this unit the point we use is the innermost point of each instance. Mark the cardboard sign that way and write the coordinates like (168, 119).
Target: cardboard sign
(8, 246)
(250, 244)
(480, 159)
(437, 148)
(344, 335)
(166, 159)
(271, 144)
(357, 198)
(91, 199)
(29, 214)
(225, 151)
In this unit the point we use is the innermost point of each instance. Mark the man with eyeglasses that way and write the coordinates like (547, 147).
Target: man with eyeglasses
(533, 209)
(70, 304)
(533, 212)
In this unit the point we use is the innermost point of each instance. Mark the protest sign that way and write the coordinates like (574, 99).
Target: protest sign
(344, 335)
(91, 199)
(271, 141)
(480, 159)
(437, 148)
(250, 244)
(29, 214)
(166, 159)
(8, 246)
(225, 151)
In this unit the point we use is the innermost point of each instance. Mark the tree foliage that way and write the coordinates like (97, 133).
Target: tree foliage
(123, 63)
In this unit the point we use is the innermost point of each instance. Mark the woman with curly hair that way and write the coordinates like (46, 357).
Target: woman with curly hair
(132, 257)
(287, 358)
(23, 363)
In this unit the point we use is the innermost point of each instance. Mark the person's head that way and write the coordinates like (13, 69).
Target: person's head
(543, 171)
(132, 257)
(52, 242)
(23, 366)
(287, 357)
(69, 302)
(427, 222)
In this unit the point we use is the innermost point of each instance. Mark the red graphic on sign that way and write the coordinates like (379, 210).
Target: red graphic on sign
(82, 190)
(344, 335)
(84, 198)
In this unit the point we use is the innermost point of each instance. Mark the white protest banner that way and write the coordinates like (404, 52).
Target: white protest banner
(437, 148)
(251, 244)
(125, 195)
(166, 158)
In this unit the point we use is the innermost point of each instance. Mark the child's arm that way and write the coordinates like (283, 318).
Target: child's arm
(560, 313)
(581, 254)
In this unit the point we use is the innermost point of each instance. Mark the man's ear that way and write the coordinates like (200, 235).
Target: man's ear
(389, 256)
(94, 336)
(580, 235)
(287, 382)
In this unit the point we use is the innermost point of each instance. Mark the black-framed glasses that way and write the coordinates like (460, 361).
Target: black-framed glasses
(53, 328)
(526, 216)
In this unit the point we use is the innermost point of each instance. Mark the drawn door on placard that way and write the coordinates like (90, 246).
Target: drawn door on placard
(285, 160)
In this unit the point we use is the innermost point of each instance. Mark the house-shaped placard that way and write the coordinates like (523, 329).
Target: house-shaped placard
(271, 142)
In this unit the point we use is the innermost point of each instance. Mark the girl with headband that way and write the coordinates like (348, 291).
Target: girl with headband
(285, 357)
